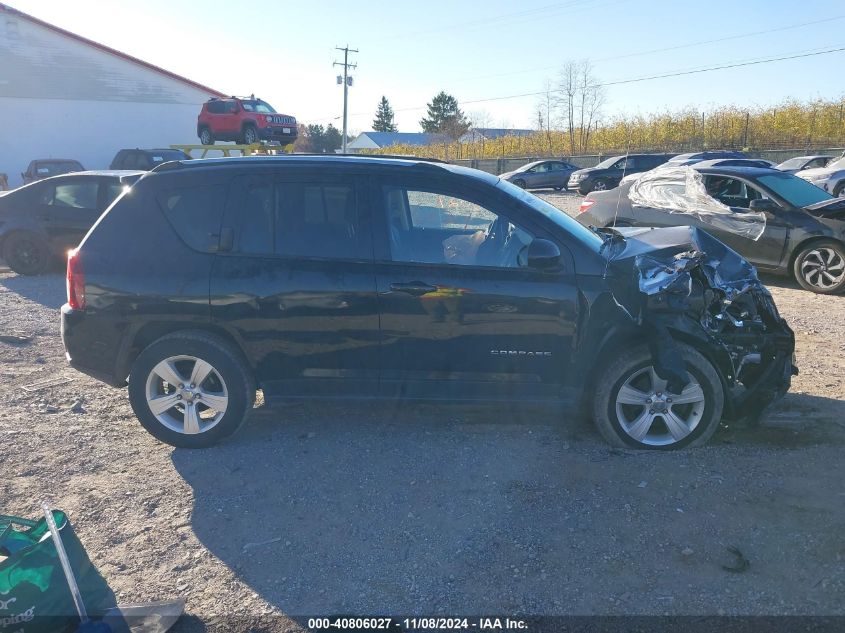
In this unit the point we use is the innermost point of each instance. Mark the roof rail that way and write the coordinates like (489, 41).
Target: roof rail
(421, 159)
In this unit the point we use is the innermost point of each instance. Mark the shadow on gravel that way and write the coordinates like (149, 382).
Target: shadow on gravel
(781, 281)
(365, 509)
(48, 290)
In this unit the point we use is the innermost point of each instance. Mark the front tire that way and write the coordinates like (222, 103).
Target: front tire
(519, 182)
(820, 267)
(27, 253)
(600, 185)
(839, 190)
(250, 135)
(632, 409)
(190, 389)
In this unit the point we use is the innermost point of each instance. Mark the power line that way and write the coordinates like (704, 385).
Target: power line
(678, 73)
(666, 48)
(544, 12)
(725, 66)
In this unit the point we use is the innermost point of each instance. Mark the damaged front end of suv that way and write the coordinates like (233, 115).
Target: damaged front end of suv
(681, 285)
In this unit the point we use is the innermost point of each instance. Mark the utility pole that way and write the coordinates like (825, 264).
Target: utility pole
(346, 81)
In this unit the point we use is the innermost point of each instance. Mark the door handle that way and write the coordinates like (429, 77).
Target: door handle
(415, 288)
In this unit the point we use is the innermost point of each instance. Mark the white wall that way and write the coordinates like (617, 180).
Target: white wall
(88, 131)
(63, 98)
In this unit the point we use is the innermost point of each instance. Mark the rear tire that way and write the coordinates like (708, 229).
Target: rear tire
(820, 267)
(689, 419)
(27, 253)
(198, 415)
(206, 137)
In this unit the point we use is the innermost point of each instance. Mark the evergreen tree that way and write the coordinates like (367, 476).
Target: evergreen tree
(384, 117)
(332, 139)
(444, 117)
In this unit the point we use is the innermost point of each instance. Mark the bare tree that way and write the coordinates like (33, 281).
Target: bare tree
(567, 98)
(545, 107)
(480, 119)
(592, 100)
(580, 98)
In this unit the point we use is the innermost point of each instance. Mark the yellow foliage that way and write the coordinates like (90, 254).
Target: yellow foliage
(789, 125)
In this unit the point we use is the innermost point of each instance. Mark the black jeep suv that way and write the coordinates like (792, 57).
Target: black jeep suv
(315, 277)
(609, 173)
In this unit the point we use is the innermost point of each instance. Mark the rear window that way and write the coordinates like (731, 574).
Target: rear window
(195, 214)
(162, 156)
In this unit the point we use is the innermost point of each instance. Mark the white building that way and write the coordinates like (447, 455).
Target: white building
(380, 140)
(64, 96)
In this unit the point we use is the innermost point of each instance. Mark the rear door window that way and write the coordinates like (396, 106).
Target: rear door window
(74, 194)
(319, 219)
(195, 214)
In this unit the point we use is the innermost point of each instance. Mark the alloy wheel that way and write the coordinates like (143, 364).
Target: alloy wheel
(823, 268)
(600, 185)
(186, 394)
(650, 415)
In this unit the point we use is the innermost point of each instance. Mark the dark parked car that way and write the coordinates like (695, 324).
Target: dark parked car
(542, 173)
(145, 159)
(697, 157)
(316, 277)
(800, 163)
(46, 167)
(41, 221)
(781, 223)
(608, 173)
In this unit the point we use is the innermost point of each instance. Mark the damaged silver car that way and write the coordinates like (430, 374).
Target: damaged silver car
(782, 224)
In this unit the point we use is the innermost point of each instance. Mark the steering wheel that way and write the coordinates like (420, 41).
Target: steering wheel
(497, 235)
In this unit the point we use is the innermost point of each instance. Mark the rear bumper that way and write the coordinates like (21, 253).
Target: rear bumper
(85, 350)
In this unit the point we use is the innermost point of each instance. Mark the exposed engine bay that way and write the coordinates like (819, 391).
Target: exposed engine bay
(693, 288)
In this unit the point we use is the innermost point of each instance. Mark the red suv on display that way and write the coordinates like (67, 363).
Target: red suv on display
(244, 120)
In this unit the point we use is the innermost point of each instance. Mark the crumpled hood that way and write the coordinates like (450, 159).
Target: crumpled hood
(664, 257)
(682, 282)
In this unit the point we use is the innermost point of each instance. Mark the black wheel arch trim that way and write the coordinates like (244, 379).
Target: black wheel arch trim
(138, 337)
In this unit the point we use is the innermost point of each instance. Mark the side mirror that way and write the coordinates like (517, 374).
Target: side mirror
(543, 255)
(763, 204)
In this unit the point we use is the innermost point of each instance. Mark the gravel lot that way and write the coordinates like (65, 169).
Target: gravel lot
(366, 509)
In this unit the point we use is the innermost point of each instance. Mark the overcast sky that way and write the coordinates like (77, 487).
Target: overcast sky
(283, 50)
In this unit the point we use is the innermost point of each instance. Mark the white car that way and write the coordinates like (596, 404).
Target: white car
(830, 178)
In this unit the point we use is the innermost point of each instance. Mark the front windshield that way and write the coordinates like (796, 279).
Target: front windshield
(607, 162)
(581, 233)
(792, 163)
(840, 164)
(56, 168)
(262, 107)
(796, 191)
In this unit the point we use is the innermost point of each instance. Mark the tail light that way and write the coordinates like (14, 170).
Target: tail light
(75, 281)
(585, 205)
